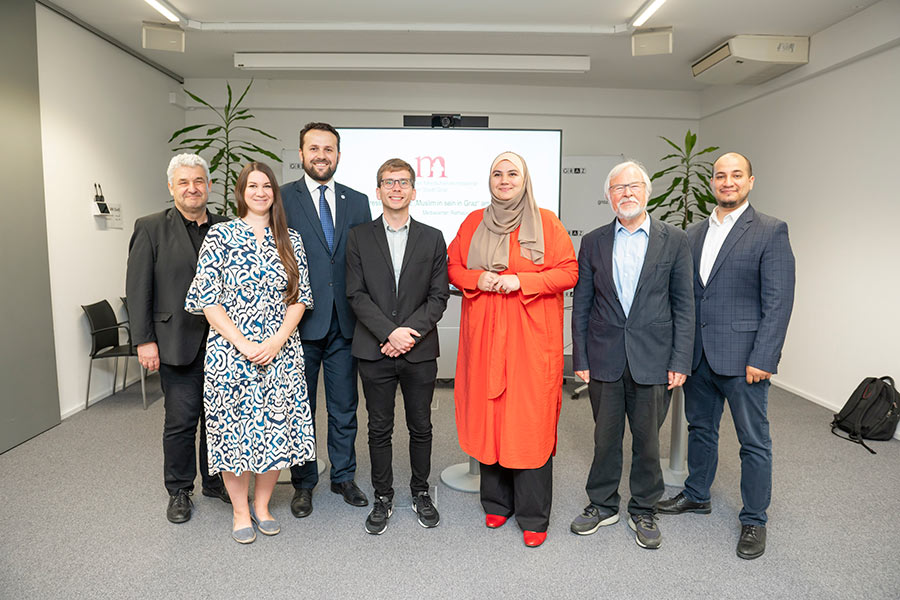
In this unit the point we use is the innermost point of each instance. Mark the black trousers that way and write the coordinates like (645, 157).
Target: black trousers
(526, 493)
(183, 387)
(646, 407)
(379, 381)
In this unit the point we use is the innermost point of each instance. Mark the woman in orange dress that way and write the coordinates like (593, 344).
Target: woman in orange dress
(512, 261)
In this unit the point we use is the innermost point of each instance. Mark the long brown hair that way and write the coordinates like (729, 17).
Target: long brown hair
(277, 224)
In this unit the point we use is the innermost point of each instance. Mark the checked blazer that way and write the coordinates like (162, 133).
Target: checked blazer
(744, 309)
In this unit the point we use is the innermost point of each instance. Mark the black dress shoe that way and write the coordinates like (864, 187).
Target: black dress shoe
(301, 503)
(351, 493)
(679, 504)
(217, 492)
(753, 541)
(179, 509)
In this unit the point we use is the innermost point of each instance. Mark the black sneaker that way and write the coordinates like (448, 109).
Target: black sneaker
(179, 509)
(591, 520)
(423, 506)
(646, 533)
(377, 521)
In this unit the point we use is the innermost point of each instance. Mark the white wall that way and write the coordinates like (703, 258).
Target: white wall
(593, 121)
(824, 152)
(105, 118)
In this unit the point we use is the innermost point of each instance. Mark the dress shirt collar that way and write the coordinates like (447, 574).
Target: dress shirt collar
(645, 226)
(387, 226)
(189, 222)
(313, 186)
(730, 219)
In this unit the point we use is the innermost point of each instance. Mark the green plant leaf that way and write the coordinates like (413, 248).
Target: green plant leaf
(689, 140)
(228, 103)
(185, 130)
(200, 100)
(674, 145)
(659, 174)
(213, 130)
(257, 130)
(706, 150)
(244, 93)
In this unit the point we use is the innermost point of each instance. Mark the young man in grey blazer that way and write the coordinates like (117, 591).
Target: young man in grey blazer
(162, 259)
(744, 275)
(632, 334)
(398, 287)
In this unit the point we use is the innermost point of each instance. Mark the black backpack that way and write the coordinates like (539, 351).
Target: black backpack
(872, 412)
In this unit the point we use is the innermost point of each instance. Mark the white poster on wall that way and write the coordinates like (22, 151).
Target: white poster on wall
(584, 206)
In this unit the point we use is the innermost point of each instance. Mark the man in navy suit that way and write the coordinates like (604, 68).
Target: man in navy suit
(398, 287)
(323, 212)
(744, 293)
(632, 336)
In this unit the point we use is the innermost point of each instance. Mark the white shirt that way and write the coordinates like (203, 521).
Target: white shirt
(313, 186)
(715, 237)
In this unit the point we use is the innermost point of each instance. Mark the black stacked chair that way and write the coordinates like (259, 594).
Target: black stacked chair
(105, 343)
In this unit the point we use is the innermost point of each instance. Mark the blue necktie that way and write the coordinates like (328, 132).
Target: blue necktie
(325, 218)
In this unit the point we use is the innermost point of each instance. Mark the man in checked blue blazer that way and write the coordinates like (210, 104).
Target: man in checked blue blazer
(744, 293)
(323, 212)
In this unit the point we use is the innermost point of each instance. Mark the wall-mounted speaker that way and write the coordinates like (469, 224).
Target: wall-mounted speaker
(162, 36)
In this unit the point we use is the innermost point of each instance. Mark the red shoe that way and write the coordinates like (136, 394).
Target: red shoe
(494, 521)
(533, 539)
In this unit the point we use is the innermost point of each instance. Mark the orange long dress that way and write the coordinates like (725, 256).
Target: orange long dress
(509, 369)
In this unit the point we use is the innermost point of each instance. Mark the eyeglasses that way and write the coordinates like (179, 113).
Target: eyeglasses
(634, 186)
(389, 183)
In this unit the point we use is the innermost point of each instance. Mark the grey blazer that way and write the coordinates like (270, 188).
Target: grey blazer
(379, 306)
(658, 335)
(161, 266)
(744, 309)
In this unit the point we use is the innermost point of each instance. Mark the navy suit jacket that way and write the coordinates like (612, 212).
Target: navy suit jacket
(379, 306)
(327, 269)
(658, 334)
(161, 265)
(744, 308)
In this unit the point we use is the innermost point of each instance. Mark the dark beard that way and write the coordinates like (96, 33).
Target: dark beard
(728, 204)
(312, 174)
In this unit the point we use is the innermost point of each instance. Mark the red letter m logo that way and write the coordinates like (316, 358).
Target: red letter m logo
(431, 162)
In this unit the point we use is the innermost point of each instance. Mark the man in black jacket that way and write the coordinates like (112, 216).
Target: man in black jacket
(398, 287)
(162, 259)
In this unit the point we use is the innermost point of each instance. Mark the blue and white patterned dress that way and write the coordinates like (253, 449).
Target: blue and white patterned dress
(257, 417)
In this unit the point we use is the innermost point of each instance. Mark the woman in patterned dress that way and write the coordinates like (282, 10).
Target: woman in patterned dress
(252, 284)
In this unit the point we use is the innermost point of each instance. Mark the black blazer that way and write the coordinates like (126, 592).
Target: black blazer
(658, 335)
(161, 266)
(326, 269)
(379, 307)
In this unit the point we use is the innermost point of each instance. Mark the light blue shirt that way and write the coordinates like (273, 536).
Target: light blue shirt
(396, 239)
(629, 250)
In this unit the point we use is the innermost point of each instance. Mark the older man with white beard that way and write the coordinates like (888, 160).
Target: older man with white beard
(633, 336)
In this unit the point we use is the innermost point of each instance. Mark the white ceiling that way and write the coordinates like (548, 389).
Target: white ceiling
(698, 25)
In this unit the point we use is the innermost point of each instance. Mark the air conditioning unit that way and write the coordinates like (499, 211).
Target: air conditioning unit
(751, 59)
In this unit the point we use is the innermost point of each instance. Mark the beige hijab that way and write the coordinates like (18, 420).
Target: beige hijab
(489, 249)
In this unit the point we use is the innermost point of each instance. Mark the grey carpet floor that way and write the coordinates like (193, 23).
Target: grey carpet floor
(84, 517)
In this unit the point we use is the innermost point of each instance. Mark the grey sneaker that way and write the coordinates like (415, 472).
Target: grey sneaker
(646, 532)
(591, 520)
(377, 521)
(423, 506)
